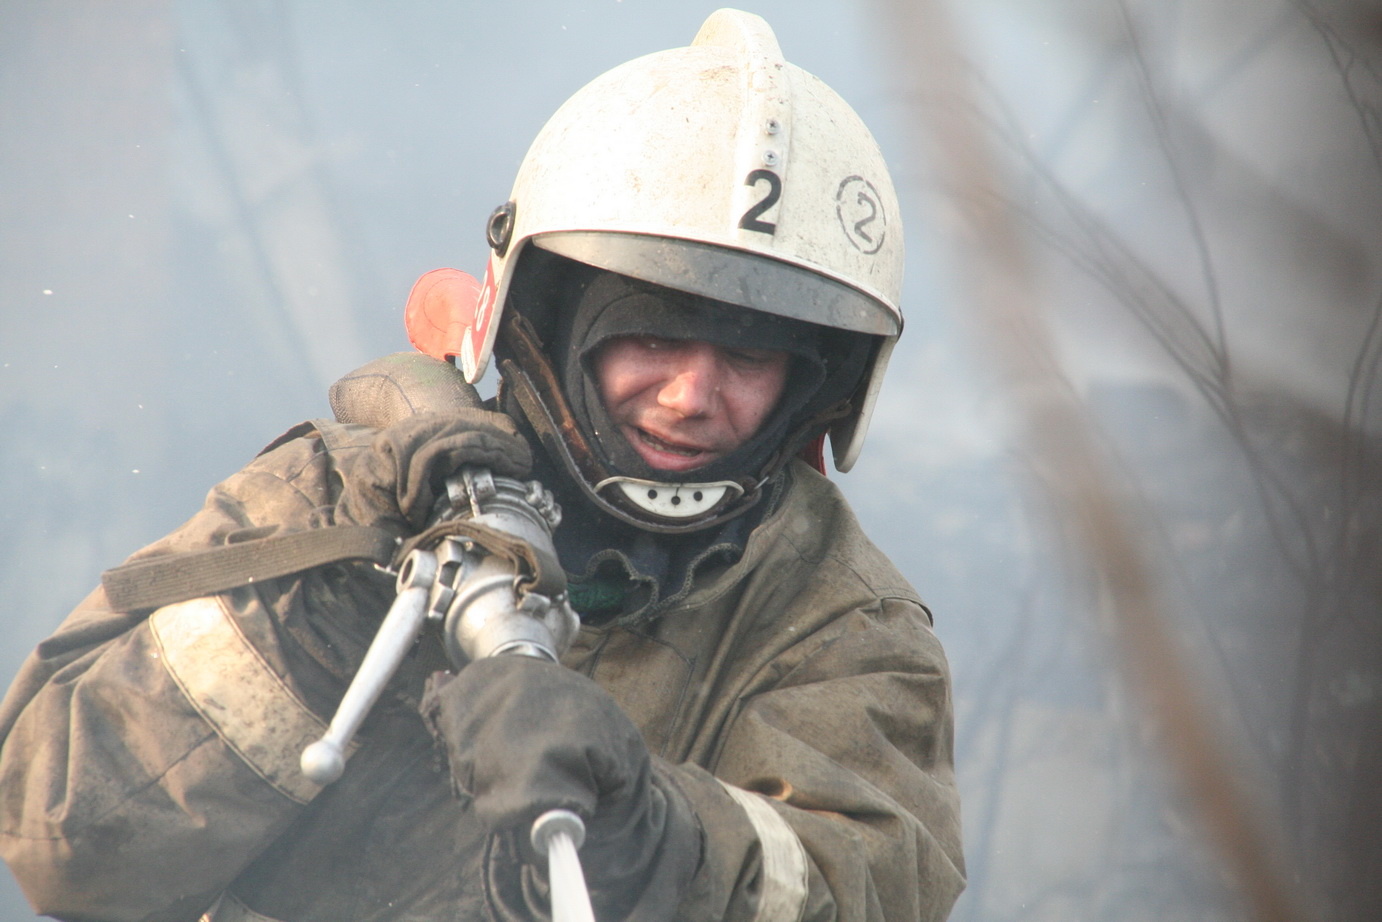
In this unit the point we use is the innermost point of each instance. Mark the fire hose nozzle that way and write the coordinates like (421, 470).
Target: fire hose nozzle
(495, 585)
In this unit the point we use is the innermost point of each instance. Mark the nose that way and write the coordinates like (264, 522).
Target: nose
(692, 386)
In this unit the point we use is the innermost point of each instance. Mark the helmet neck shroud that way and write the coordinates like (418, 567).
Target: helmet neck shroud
(559, 314)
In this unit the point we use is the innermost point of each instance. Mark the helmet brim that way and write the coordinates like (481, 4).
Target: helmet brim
(733, 276)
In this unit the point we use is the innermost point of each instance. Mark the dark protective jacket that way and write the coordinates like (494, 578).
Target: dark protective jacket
(798, 698)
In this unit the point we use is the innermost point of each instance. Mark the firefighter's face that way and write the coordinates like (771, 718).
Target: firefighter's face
(683, 404)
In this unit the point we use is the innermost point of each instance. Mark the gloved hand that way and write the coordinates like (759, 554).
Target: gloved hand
(395, 483)
(525, 736)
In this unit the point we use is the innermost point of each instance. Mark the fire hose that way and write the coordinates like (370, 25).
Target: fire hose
(486, 571)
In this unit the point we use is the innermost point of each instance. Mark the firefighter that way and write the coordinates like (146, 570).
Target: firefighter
(695, 281)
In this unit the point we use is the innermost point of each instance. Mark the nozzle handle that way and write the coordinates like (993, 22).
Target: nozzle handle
(324, 760)
(558, 834)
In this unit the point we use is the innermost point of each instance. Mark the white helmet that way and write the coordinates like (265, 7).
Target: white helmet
(720, 170)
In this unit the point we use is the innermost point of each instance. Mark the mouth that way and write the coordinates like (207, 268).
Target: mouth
(664, 455)
(647, 438)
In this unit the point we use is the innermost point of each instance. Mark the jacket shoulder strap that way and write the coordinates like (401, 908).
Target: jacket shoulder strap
(158, 581)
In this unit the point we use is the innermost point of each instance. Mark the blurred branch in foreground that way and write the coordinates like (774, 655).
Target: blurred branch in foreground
(1010, 329)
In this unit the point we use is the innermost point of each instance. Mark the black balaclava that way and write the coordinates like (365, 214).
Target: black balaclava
(618, 571)
(615, 306)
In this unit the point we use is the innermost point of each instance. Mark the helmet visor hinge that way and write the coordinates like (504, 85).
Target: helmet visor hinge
(499, 228)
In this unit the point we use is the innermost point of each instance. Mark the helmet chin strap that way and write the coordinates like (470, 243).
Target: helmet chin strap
(668, 507)
(665, 507)
(625, 498)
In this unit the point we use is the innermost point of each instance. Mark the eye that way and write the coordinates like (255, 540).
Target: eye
(751, 359)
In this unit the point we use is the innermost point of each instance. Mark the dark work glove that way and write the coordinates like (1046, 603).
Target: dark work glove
(395, 484)
(525, 736)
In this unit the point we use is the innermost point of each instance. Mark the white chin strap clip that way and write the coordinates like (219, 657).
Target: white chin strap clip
(673, 500)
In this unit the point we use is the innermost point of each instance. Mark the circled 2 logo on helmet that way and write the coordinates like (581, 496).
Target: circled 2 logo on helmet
(861, 213)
